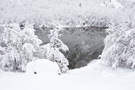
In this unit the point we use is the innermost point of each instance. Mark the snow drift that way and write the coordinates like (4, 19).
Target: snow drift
(42, 66)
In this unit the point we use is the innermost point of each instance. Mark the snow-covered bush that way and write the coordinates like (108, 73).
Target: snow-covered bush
(52, 50)
(20, 46)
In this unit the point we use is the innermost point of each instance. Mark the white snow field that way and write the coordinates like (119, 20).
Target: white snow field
(91, 77)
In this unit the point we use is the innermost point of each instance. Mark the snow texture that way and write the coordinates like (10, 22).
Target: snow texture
(92, 77)
(42, 66)
(112, 4)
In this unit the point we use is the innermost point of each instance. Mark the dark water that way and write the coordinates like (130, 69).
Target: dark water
(85, 43)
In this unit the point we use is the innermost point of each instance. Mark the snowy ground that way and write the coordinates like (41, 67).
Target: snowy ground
(87, 78)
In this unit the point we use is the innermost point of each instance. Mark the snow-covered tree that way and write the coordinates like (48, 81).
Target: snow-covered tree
(20, 46)
(120, 45)
(9, 36)
(52, 50)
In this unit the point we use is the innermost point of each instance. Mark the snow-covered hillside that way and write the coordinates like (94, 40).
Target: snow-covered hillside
(112, 4)
(62, 12)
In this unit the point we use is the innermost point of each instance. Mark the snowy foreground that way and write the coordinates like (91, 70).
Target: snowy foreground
(91, 77)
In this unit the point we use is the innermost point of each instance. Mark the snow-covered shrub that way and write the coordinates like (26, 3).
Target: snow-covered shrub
(52, 50)
(20, 46)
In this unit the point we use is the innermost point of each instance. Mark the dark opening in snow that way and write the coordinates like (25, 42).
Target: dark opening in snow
(85, 43)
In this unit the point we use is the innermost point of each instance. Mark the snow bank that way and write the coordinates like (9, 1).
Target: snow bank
(87, 78)
(42, 66)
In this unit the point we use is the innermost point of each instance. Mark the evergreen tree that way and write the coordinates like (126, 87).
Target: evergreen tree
(120, 46)
(53, 52)
(20, 46)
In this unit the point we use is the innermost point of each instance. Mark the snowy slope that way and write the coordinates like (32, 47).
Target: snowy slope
(87, 78)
